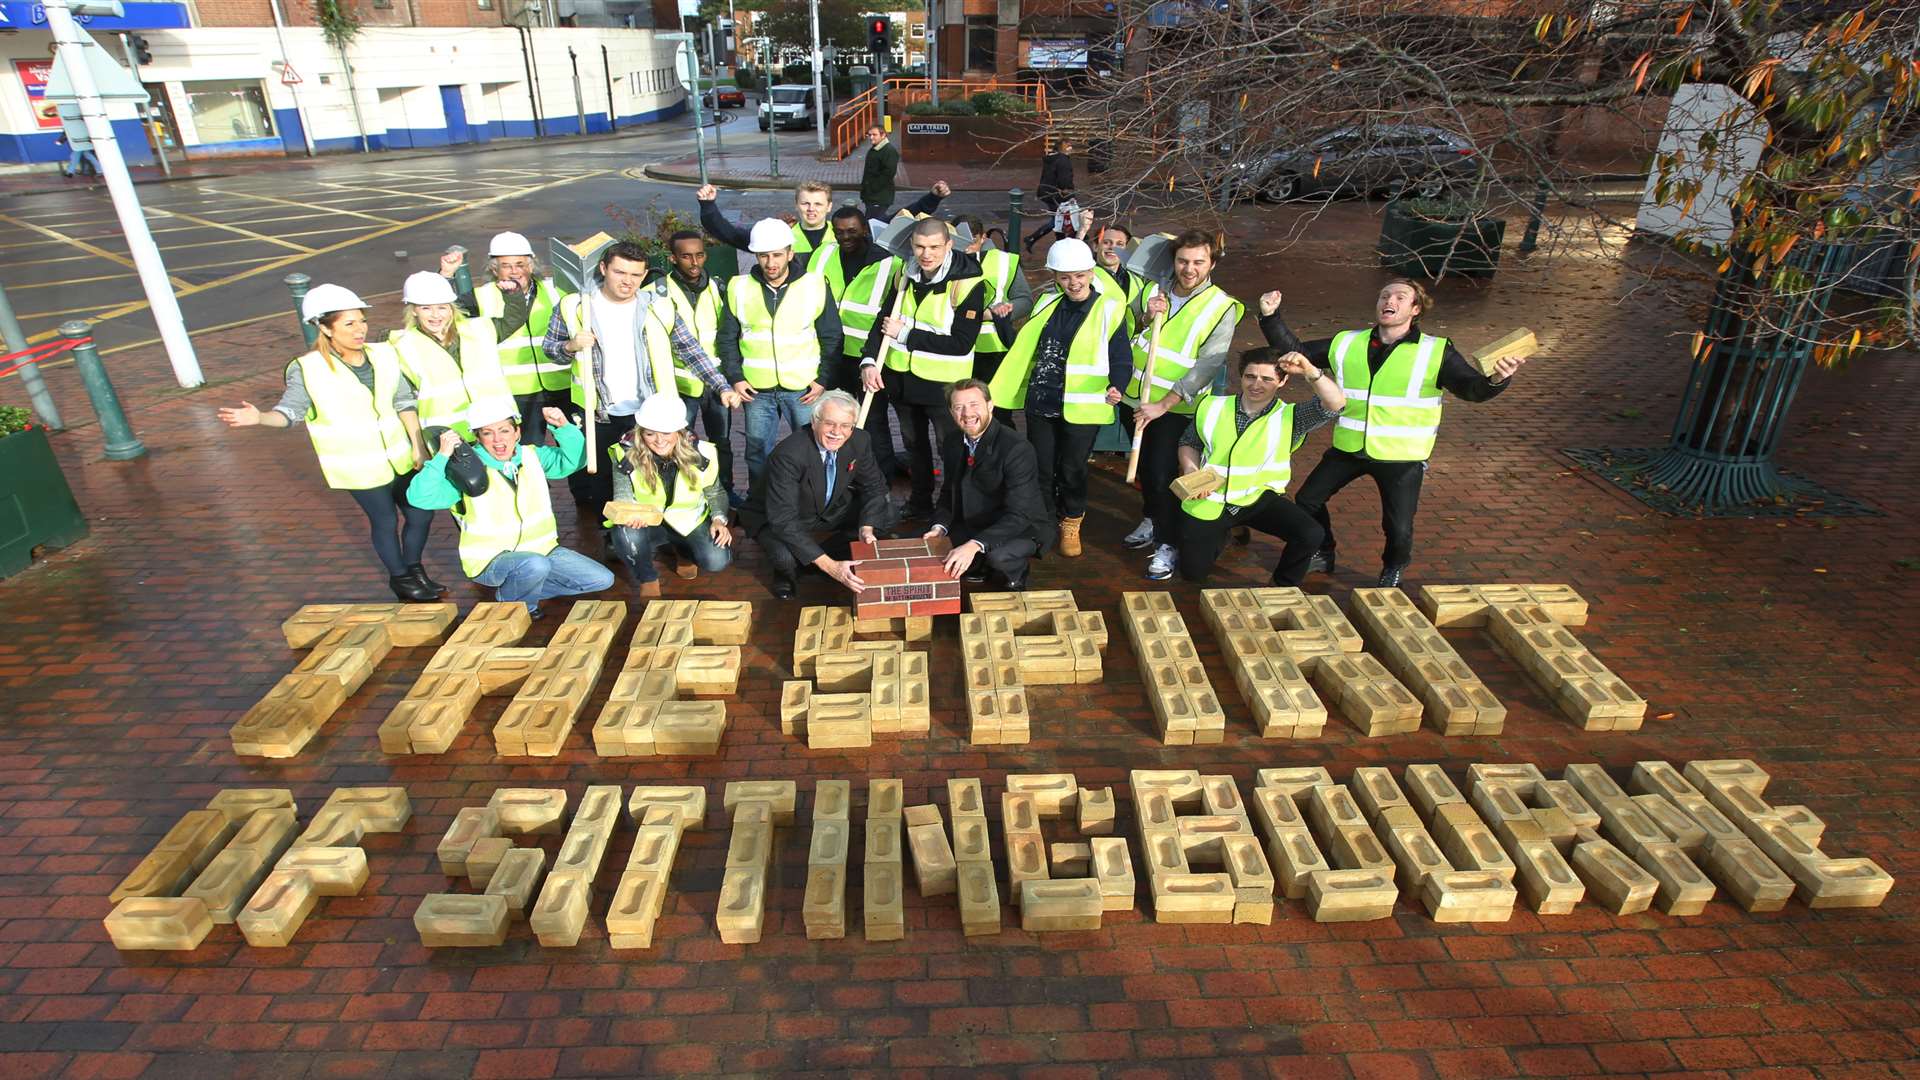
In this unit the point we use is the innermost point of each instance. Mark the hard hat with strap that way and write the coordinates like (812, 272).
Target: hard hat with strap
(356, 434)
(1254, 461)
(511, 515)
(688, 509)
(1392, 414)
(656, 334)
(1181, 337)
(860, 303)
(447, 386)
(702, 316)
(1084, 397)
(998, 267)
(933, 312)
(523, 359)
(778, 348)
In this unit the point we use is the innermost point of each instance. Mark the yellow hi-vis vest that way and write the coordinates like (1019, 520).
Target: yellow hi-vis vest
(511, 515)
(1392, 415)
(1181, 337)
(446, 386)
(703, 318)
(523, 361)
(656, 336)
(1085, 397)
(1104, 280)
(688, 510)
(778, 348)
(1254, 461)
(356, 434)
(823, 260)
(934, 314)
(860, 303)
(998, 267)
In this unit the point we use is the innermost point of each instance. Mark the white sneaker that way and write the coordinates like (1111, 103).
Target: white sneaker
(1160, 567)
(1141, 536)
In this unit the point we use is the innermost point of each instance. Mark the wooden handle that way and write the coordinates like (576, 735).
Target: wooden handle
(589, 391)
(866, 405)
(1146, 395)
(1133, 455)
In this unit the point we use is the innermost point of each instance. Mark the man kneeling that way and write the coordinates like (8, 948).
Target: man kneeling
(508, 538)
(1248, 440)
(990, 501)
(667, 495)
(821, 484)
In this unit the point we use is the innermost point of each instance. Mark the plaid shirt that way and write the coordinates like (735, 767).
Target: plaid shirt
(687, 351)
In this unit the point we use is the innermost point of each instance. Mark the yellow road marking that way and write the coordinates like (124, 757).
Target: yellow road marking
(248, 233)
(229, 262)
(25, 315)
(389, 191)
(91, 249)
(68, 281)
(32, 243)
(301, 205)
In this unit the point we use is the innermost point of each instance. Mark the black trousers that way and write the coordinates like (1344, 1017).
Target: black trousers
(922, 450)
(1008, 559)
(593, 490)
(786, 564)
(533, 426)
(1273, 514)
(386, 506)
(1060, 452)
(717, 421)
(985, 366)
(1159, 464)
(1399, 483)
(879, 424)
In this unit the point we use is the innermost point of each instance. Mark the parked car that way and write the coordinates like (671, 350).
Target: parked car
(730, 97)
(792, 106)
(1354, 160)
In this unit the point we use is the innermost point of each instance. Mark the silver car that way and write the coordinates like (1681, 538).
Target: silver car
(1426, 161)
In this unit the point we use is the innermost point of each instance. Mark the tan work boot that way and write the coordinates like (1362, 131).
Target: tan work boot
(1070, 536)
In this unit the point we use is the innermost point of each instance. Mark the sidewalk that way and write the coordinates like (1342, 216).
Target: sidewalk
(753, 169)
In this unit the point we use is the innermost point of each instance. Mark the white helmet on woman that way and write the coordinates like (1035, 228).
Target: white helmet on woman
(426, 287)
(664, 413)
(327, 299)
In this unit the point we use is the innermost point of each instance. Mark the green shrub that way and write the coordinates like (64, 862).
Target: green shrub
(960, 107)
(1000, 103)
(14, 420)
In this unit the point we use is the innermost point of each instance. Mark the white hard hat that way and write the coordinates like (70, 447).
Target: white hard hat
(769, 234)
(1068, 255)
(326, 299)
(509, 243)
(491, 411)
(426, 287)
(663, 412)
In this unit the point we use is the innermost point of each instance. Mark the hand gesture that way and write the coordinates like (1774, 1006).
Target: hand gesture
(580, 342)
(450, 441)
(868, 536)
(1148, 412)
(244, 416)
(1504, 368)
(814, 390)
(1001, 311)
(1157, 306)
(1297, 364)
(893, 326)
(451, 262)
(1086, 221)
(722, 536)
(870, 379)
(743, 391)
(554, 417)
(941, 189)
(960, 558)
(842, 572)
(707, 193)
(1113, 395)
(1269, 302)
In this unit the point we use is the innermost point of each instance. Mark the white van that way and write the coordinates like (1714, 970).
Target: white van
(793, 106)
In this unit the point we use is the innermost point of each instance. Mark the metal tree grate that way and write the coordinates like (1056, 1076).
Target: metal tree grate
(1638, 471)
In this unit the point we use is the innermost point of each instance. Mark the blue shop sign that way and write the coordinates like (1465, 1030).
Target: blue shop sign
(24, 15)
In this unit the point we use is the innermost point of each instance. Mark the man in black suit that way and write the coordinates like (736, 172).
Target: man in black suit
(990, 504)
(820, 484)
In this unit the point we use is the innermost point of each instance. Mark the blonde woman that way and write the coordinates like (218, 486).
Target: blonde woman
(452, 361)
(661, 467)
(361, 414)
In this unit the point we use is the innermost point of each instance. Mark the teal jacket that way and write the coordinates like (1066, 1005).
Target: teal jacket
(431, 490)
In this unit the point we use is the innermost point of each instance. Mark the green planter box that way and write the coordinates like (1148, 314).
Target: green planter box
(36, 505)
(1416, 246)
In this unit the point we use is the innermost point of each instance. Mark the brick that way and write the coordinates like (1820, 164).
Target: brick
(796, 697)
(970, 843)
(230, 880)
(1112, 868)
(839, 721)
(380, 809)
(461, 920)
(280, 724)
(1748, 876)
(517, 878)
(1374, 790)
(1684, 889)
(723, 622)
(470, 825)
(199, 834)
(1470, 845)
(1739, 773)
(1350, 895)
(332, 871)
(884, 903)
(1544, 878)
(1675, 823)
(1613, 881)
(654, 849)
(884, 798)
(1069, 859)
(934, 866)
(239, 804)
(979, 899)
(686, 803)
(1522, 779)
(1193, 898)
(503, 668)
(1468, 896)
(1841, 883)
(160, 873)
(529, 811)
(1563, 796)
(276, 911)
(1593, 783)
(882, 840)
(964, 798)
(484, 858)
(1416, 855)
(168, 923)
(561, 912)
(1296, 782)
(1071, 904)
(743, 895)
(1051, 794)
(823, 906)
(265, 830)
(781, 795)
(689, 727)
(1253, 880)
(1096, 811)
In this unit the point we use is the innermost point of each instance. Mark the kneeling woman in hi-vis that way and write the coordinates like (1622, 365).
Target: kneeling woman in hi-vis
(667, 495)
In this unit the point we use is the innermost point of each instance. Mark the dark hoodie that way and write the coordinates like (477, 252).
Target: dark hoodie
(967, 314)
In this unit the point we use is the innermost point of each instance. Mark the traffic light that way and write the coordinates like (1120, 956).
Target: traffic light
(141, 53)
(879, 34)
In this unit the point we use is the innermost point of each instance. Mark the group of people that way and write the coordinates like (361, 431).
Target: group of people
(483, 398)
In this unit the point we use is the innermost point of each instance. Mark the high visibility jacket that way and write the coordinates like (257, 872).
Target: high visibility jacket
(688, 510)
(1392, 414)
(860, 303)
(356, 434)
(778, 348)
(998, 267)
(1254, 461)
(703, 318)
(933, 313)
(511, 515)
(523, 361)
(1104, 280)
(656, 337)
(823, 260)
(447, 386)
(1180, 340)
(1085, 397)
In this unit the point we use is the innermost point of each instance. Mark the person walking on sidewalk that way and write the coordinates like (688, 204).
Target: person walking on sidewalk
(925, 345)
(867, 269)
(451, 360)
(509, 540)
(780, 341)
(1395, 376)
(659, 465)
(700, 302)
(990, 505)
(1066, 370)
(519, 298)
(1248, 439)
(877, 174)
(361, 414)
(1194, 343)
(821, 489)
(1056, 188)
(1009, 299)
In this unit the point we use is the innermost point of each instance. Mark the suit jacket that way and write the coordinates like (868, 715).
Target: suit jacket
(997, 498)
(789, 501)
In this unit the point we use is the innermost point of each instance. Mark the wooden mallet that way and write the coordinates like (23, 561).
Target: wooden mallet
(1146, 395)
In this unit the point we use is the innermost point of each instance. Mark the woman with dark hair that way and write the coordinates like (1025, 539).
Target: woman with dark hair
(360, 413)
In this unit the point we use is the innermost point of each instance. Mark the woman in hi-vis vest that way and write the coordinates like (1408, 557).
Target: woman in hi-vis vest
(360, 413)
(667, 497)
(451, 360)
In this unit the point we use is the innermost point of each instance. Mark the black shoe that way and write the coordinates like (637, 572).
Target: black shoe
(1390, 577)
(419, 574)
(975, 574)
(407, 587)
(536, 613)
(1321, 563)
(1018, 582)
(782, 588)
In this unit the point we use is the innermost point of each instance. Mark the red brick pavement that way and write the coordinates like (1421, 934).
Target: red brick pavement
(1786, 640)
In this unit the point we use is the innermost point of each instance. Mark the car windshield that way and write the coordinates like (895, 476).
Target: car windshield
(789, 97)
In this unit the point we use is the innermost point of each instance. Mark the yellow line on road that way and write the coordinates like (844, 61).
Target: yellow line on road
(301, 205)
(25, 315)
(68, 281)
(388, 191)
(248, 233)
(32, 243)
(91, 249)
(229, 262)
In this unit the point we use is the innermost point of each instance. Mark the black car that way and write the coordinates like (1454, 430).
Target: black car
(1395, 157)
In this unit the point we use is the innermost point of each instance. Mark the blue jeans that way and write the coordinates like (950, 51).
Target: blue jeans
(764, 413)
(82, 158)
(636, 546)
(530, 578)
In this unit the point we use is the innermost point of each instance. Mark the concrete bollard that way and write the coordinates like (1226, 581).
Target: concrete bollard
(122, 444)
(1014, 197)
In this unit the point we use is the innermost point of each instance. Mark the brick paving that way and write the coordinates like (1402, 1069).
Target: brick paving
(1789, 641)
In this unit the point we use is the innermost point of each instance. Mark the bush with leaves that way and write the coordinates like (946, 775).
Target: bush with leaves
(14, 420)
(949, 107)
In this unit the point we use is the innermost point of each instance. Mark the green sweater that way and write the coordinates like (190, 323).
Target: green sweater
(876, 177)
(431, 490)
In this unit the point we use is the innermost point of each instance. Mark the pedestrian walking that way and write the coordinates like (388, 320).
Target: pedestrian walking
(1054, 192)
(451, 360)
(661, 467)
(877, 174)
(361, 414)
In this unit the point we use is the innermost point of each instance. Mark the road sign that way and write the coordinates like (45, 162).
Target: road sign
(288, 76)
(113, 81)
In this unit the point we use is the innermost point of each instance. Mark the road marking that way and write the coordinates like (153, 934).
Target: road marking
(229, 262)
(91, 249)
(68, 281)
(301, 205)
(388, 191)
(25, 315)
(248, 233)
(32, 243)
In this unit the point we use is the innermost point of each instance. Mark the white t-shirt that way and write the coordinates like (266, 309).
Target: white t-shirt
(613, 329)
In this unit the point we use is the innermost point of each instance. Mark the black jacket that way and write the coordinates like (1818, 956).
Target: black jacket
(1458, 375)
(876, 176)
(787, 501)
(997, 498)
(967, 314)
(1056, 179)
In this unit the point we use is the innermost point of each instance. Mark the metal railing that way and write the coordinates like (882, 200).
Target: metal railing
(857, 113)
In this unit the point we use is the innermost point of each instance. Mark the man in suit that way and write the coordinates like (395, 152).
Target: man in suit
(820, 488)
(990, 504)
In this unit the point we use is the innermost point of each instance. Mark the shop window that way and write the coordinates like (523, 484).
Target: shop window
(229, 111)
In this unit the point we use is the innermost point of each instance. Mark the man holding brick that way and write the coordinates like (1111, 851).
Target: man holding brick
(821, 486)
(990, 503)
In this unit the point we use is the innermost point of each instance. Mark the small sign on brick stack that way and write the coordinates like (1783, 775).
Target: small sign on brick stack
(906, 579)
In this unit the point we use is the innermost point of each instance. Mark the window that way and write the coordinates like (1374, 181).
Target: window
(229, 111)
(485, 5)
(980, 43)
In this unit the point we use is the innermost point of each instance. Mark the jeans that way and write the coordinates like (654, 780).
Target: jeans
(1399, 483)
(764, 414)
(636, 546)
(1060, 451)
(530, 578)
(385, 507)
(81, 162)
(1273, 514)
(717, 421)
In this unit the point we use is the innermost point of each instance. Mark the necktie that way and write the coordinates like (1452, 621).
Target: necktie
(830, 458)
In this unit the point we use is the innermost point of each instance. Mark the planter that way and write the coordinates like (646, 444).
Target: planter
(1417, 246)
(36, 505)
(975, 139)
